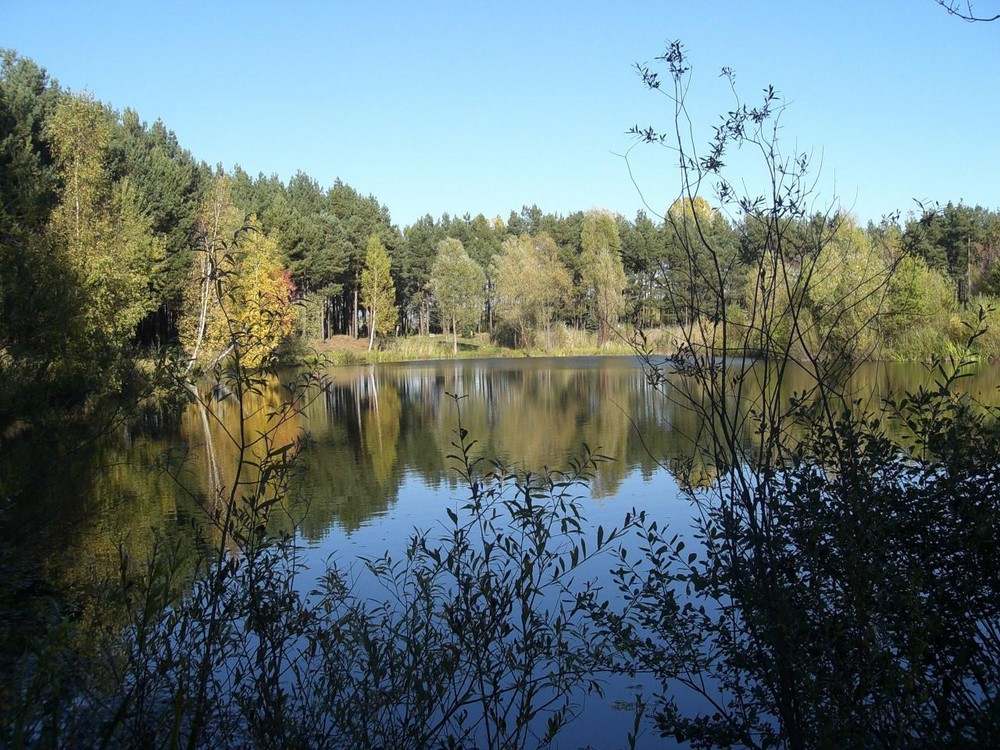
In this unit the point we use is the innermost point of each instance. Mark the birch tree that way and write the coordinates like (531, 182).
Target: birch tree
(103, 234)
(378, 291)
(217, 227)
(457, 283)
(602, 274)
(532, 284)
(240, 299)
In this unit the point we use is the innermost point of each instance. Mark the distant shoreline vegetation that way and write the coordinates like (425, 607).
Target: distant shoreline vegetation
(118, 245)
(344, 350)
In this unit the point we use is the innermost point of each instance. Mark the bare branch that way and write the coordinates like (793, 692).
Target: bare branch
(965, 11)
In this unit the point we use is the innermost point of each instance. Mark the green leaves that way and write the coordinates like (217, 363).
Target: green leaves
(239, 298)
(378, 292)
(457, 283)
(602, 272)
(532, 286)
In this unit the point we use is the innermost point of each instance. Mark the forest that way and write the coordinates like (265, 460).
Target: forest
(834, 581)
(111, 234)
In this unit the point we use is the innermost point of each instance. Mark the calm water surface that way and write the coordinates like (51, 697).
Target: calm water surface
(376, 464)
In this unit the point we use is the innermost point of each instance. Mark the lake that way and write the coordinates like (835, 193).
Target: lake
(376, 463)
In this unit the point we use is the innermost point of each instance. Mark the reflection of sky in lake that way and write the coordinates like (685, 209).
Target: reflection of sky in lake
(604, 721)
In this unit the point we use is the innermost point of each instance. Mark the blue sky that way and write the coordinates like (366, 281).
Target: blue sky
(486, 106)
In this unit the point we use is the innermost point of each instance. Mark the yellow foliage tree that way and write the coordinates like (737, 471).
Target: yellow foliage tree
(378, 292)
(846, 292)
(602, 273)
(240, 299)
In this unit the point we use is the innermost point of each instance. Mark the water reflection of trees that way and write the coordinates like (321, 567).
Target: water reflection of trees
(534, 416)
(209, 448)
(98, 500)
(371, 428)
(82, 507)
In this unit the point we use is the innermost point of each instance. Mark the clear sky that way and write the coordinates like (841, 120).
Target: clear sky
(486, 106)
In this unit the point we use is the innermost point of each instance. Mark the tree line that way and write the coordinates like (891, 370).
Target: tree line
(113, 237)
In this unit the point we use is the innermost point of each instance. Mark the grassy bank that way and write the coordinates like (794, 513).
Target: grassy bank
(345, 350)
(919, 343)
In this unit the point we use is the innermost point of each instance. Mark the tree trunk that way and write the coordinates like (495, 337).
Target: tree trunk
(203, 312)
(354, 316)
(425, 318)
